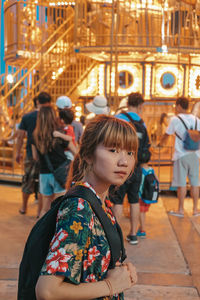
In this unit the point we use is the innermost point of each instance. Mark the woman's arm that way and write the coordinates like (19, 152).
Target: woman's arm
(72, 148)
(63, 136)
(52, 287)
(67, 138)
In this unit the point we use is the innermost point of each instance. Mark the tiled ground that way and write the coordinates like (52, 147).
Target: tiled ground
(167, 261)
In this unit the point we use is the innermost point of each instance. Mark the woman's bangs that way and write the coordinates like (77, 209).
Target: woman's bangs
(120, 135)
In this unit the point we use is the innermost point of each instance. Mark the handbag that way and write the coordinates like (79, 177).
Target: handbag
(61, 172)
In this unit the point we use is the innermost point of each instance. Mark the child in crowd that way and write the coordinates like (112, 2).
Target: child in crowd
(66, 116)
(144, 206)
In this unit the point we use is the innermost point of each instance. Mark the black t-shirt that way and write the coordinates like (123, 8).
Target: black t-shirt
(56, 156)
(28, 124)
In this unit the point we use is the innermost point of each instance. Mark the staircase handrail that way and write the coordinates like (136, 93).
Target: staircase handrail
(93, 64)
(35, 64)
(69, 92)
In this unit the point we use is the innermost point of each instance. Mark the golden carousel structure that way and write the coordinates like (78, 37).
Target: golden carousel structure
(108, 47)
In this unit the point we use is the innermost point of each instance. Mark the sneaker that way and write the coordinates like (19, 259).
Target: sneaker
(197, 214)
(132, 239)
(141, 234)
(175, 214)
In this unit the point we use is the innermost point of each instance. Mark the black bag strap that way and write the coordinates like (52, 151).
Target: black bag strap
(113, 234)
(195, 126)
(130, 118)
(183, 122)
(178, 136)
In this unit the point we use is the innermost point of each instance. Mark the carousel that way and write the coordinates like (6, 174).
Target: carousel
(112, 48)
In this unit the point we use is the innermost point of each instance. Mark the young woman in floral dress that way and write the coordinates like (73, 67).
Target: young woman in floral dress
(77, 264)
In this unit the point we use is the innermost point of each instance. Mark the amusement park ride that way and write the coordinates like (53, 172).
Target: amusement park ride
(109, 47)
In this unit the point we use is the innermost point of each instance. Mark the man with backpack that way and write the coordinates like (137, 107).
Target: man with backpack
(132, 184)
(186, 155)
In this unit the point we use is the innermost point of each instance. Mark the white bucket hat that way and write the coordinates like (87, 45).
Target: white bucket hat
(63, 102)
(99, 105)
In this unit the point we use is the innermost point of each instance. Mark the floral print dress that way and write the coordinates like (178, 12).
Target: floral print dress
(79, 250)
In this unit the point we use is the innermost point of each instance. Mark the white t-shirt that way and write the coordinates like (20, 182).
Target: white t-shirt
(176, 126)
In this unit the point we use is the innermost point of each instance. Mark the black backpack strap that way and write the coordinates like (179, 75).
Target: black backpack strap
(128, 116)
(195, 124)
(131, 119)
(183, 122)
(178, 136)
(123, 250)
(113, 234)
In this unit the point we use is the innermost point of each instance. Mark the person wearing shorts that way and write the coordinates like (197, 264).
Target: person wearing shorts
(48, 144)
(132, 185)
(185, 163)
(144, 207)
(49, 185)
(31, 175)
(31, 171)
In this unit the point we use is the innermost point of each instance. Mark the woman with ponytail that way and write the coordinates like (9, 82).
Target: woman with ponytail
(49, 141)
(77, 264)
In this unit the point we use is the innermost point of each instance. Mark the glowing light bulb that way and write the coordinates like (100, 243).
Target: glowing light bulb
(10, 78)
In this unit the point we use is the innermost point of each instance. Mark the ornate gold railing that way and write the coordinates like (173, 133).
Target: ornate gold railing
(138, 24)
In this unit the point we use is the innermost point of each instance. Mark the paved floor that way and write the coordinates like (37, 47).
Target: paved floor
(167, 261)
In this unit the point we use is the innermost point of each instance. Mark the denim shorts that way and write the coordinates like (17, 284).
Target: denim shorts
(49, 186)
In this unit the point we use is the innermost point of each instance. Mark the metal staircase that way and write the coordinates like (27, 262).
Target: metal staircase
(34, 74)
(53, 67)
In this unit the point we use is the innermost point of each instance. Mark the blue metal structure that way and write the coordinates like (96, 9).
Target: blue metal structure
(2, 63)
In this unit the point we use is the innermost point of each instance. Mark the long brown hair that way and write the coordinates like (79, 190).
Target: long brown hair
(45, 126)
(106, 130)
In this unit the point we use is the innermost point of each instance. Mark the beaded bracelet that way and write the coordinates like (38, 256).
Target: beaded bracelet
(109, 286)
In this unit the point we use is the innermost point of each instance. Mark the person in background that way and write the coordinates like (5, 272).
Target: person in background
(82, 120)
(31, 168)
(79, 255)
(185, 163)
(144, 207)
(163, 122)
(98, 106)
(48, 140)
(162, 126)
(64, 102)
(196, 109)
(66, 116)
(131, 185)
